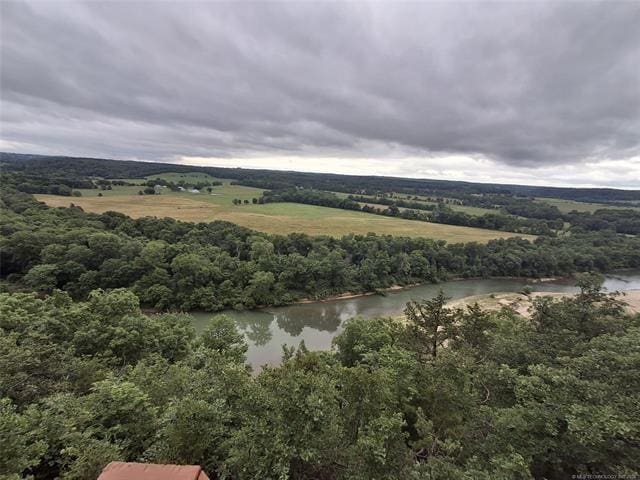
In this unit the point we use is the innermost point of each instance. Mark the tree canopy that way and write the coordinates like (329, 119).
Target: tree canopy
(85, 383)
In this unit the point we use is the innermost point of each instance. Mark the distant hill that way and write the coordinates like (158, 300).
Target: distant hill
(271, 179)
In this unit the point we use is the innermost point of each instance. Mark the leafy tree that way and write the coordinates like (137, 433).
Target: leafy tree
(222, 336)
(260, 288)
(473, 328)
(42, 278)
(192, 431)
(363, 336)
(20, 447)
(120, 413)
(431, 323)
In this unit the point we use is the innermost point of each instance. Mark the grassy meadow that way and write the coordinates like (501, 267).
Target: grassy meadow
(477, 211)
(281, 218)
(566, 206)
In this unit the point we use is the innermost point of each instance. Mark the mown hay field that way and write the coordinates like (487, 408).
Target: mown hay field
(279, 218)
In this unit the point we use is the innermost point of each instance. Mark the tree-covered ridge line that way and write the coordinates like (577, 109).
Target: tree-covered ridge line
(450, 394)
(417, 211)
(213, 266)
(272, 179)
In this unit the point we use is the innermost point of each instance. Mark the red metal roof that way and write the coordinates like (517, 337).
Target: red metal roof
(151, 471)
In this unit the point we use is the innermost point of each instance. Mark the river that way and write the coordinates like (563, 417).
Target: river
(318, 322)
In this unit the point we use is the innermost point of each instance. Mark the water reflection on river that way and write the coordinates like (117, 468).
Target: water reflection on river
(317, 323)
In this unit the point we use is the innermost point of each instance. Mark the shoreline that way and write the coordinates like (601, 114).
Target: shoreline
(348, 295)
(395, 288)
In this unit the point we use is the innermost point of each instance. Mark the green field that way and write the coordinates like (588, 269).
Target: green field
(281, 218)
(220, 195)
(117, 191)
(566, 206)
(476, 211)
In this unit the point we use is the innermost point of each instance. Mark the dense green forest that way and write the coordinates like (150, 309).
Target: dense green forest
(448, 395)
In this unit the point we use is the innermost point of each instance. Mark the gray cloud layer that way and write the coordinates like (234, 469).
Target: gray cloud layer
(523, 84)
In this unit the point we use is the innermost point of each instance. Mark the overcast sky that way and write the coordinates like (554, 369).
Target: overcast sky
(536, 93)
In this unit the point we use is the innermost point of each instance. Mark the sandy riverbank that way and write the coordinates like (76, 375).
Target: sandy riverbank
(521, 303)
(633, 299)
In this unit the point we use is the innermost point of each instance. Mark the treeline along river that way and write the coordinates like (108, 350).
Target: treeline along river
(317, 323)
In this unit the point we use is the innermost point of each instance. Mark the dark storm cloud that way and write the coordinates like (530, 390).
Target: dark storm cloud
(525, 84)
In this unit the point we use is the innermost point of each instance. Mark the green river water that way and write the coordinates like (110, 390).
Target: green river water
(317, 323)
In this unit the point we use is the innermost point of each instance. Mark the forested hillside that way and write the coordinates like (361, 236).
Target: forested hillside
(272, 179)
